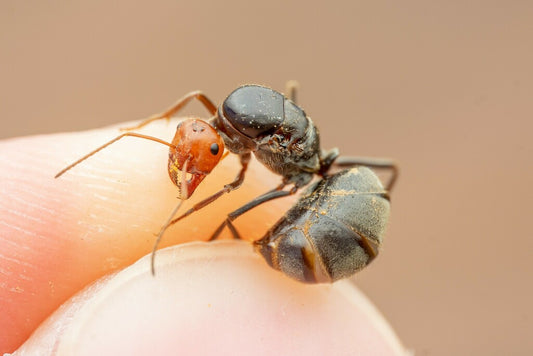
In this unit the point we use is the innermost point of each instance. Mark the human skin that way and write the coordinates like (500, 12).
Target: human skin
(59, 236)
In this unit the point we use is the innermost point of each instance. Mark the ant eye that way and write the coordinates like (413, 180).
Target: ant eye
(214, 149)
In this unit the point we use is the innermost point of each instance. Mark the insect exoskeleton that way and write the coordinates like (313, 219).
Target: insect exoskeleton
(334, 230)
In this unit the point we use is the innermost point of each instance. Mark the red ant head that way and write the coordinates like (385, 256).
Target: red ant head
(198, 149)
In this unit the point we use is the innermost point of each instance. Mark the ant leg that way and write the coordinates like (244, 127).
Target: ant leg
(110, 142)
(379, 163)
(271, 195)
(291, 87)
(245, 159)
(177, 106)
(233, 230)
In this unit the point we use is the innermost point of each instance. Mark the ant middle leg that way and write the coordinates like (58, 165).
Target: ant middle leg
(268, 196)
(177, 106)
(378, 163)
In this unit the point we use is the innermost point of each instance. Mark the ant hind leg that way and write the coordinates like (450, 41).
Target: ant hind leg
(378, 163)
(231, 228)
(268, 196)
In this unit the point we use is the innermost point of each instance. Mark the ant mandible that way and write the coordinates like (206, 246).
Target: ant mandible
(252, 119)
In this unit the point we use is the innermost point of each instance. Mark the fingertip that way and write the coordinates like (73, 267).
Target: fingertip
(218, 298)
(100, 216)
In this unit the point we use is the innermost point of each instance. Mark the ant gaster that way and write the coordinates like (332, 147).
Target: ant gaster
(256, 119)
(334, 229)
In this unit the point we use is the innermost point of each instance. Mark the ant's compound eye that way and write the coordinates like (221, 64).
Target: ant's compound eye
(214, 149)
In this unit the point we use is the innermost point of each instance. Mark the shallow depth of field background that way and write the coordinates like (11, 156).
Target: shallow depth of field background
(445, 88)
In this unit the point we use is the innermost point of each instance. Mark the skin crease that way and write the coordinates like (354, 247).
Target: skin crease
(58, 236)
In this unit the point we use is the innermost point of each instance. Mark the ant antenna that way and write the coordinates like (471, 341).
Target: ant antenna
(132, 134)
(183, 192)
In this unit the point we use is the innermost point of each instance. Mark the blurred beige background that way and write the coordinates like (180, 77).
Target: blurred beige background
(443, 87)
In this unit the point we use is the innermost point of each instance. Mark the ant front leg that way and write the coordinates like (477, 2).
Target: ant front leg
(268, 196)
(178, 105)
(245, 160)
(378, 163)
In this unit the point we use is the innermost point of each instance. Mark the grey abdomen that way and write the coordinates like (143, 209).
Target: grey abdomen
(333, 231)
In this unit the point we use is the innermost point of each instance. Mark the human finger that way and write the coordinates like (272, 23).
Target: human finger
(59, 235)
(213, 298)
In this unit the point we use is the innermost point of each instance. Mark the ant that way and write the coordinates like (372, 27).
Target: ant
(259, 120)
